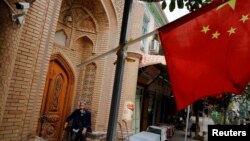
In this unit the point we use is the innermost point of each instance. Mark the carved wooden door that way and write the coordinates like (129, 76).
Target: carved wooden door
(54, 107)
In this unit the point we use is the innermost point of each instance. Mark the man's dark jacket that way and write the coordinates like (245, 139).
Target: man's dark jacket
(80, 119)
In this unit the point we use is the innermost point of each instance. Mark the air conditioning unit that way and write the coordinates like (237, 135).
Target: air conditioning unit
(154, 47)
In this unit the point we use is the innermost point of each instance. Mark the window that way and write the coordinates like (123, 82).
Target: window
(60, 38)
(145, 29)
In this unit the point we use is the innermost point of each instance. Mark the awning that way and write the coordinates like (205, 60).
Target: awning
(148, 60)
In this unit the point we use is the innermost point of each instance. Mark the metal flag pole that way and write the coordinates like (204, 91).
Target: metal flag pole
(121, 55)
(187, 120)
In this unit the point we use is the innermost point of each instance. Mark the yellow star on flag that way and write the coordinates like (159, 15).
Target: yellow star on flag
(244, 18)
(231, 3)
(205, 29)
(215, 35)
(231, 31)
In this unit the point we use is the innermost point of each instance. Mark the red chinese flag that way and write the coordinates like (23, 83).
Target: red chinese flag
(209, 54)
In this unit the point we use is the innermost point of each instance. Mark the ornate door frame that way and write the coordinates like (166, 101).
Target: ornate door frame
(69, 92)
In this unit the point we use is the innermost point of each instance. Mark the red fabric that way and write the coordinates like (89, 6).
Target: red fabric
(200, 66)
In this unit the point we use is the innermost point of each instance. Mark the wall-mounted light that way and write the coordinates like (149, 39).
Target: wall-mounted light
(67, 19)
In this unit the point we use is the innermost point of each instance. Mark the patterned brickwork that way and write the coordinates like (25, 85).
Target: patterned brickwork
(88, 83)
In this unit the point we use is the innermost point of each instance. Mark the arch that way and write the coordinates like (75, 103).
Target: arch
(88, 39)
(65, 62)
(110, 9)
(86, 45)
(68, 6)
(92, 18)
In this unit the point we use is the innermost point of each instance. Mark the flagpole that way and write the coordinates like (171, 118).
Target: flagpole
(187, 122)
(117, 87)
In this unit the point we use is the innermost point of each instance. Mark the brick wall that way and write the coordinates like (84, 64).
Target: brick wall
(27, 81)
(84, 45)
(33, 52)
(46, 16)
(9, 38)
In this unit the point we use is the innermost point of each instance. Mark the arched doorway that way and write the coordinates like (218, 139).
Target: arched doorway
(57, 99)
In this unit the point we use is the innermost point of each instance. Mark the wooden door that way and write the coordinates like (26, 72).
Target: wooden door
(55, 106)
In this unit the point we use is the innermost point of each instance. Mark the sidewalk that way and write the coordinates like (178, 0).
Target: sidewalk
(179, 135)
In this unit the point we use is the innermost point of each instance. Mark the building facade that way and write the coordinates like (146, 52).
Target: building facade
(40, 53)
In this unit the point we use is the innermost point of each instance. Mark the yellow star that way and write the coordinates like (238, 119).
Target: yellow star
(231, 3)
(244, 18)
(205, 29)
(231, 31)
(215, 35)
